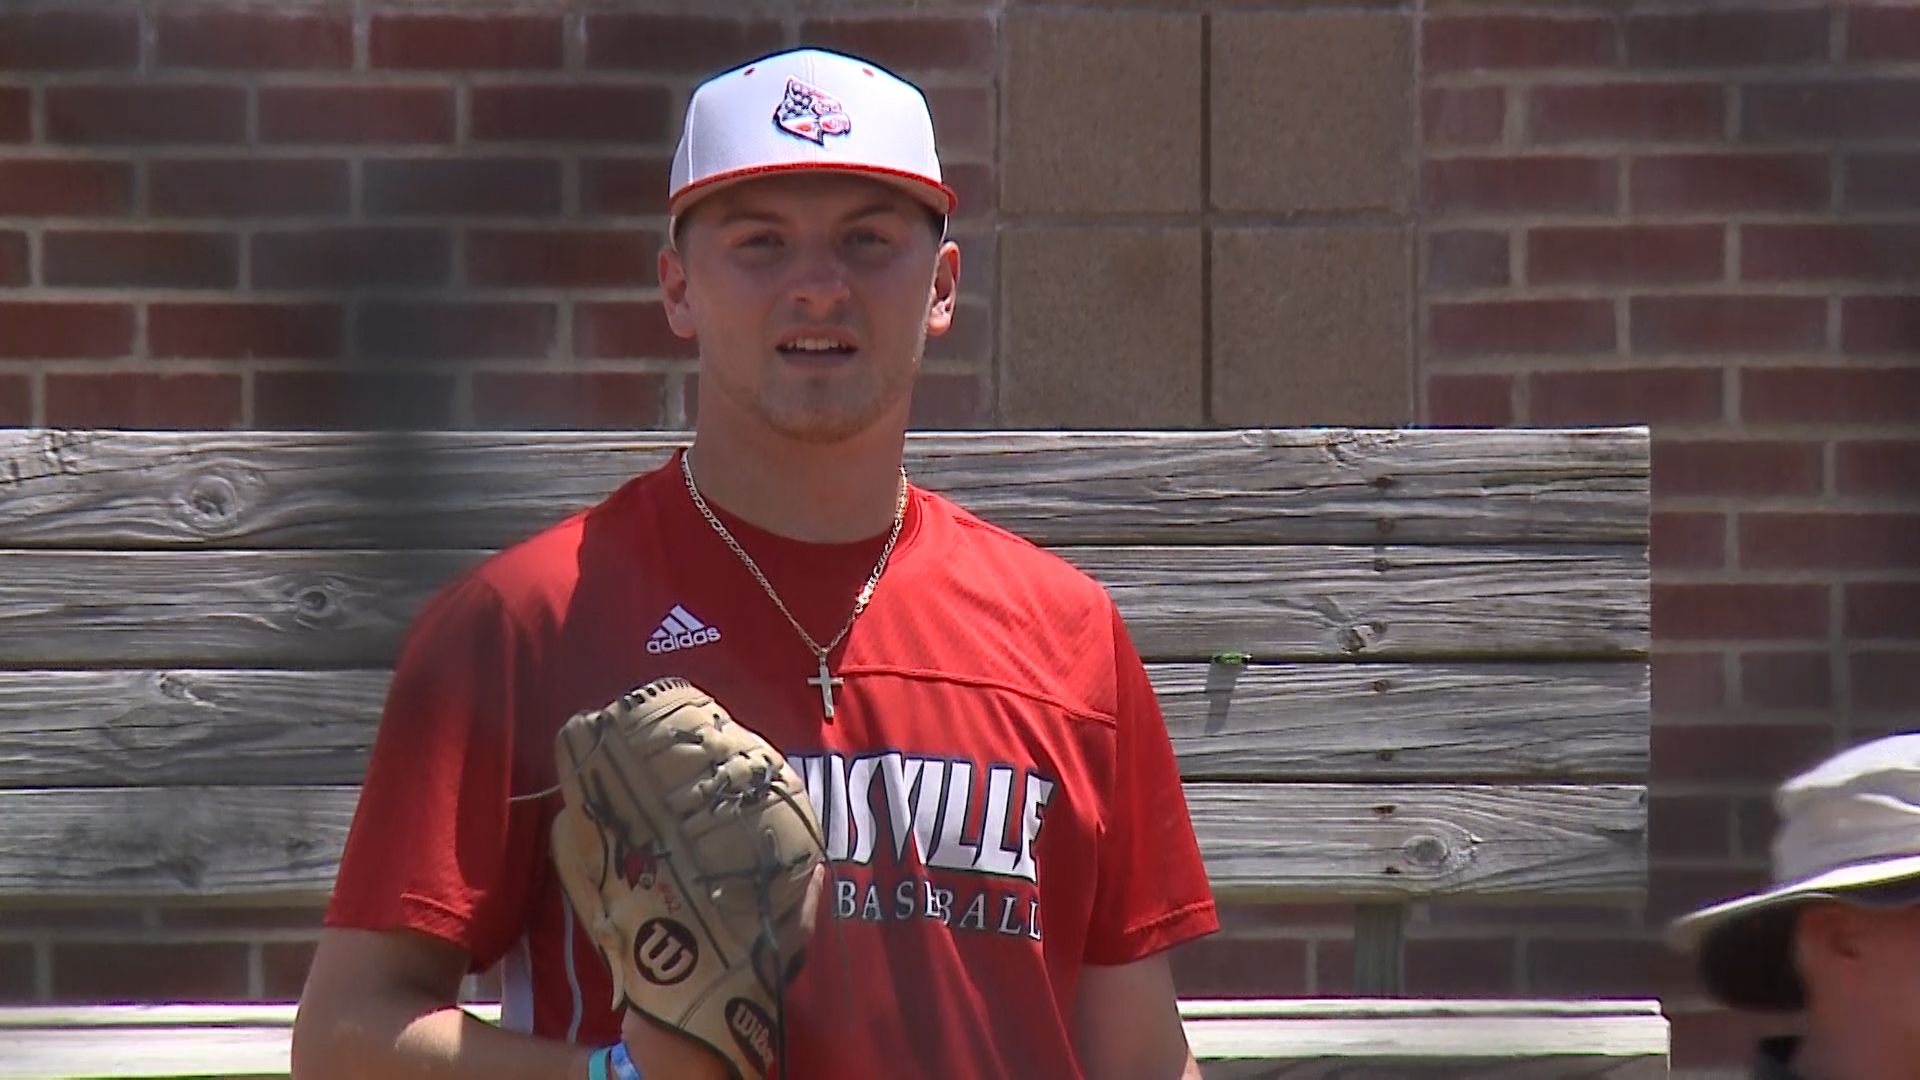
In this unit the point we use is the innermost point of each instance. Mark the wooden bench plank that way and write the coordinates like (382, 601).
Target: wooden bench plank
(1295, 1040)
(354, 489)
(1276, 603)
(1366, 841)
(1572, 721)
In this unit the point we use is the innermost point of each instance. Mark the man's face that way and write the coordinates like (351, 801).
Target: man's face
(1867, 961)
(811, 296)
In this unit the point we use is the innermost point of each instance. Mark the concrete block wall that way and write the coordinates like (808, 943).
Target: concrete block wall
(1176, 213)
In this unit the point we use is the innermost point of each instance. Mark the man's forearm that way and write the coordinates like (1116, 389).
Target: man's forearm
(373, 1042)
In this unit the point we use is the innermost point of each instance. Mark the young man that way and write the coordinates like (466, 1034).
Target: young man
(1009, 847)
(1837, 936)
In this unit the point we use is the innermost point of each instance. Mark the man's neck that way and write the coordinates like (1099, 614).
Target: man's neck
(1866, 1055)
(827, 494)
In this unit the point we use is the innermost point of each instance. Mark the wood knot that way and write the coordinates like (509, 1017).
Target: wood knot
(1428, 851)
(1382, 483)
(211, 501)
(315, 604)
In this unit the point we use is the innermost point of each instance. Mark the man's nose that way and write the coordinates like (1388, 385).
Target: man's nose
(819, 280)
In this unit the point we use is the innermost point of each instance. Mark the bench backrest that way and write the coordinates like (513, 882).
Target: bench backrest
(1395, 664)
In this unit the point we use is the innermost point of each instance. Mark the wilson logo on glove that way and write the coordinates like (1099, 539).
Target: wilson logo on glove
(665, 951)
(752, 1031)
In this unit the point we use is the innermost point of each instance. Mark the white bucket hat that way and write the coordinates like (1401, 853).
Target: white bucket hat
(807, 109)
(1849, 832)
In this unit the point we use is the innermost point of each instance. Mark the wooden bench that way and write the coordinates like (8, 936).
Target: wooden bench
(1398, 666)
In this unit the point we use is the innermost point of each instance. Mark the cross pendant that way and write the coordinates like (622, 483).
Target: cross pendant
(826, 682)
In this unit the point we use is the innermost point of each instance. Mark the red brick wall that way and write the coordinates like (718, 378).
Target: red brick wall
(312, 215)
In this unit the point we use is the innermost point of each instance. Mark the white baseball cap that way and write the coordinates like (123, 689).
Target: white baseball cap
(1849, 833)
(807, 109)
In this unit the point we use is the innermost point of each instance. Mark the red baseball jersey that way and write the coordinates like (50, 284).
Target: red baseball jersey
(999, 797)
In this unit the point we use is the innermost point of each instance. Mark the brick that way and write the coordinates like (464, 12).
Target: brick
(1883, 181)
(585, 113)
(490, 42)
(1626, 255)
(130, 971)
(1330, 95)
(145, 115)
(626, 330)
(1792, 541)
(1340, 298)
(1637, 112)
(1882, 32)
(466, 187)
(1743, 612)
(1604, 968)
(1786, 680)
(356, 115)
(1689, 541)
(1755, 822)
(1684, 827)
(1713, 183)
(1506, 915)
(1730, 38)
(909, 44)
(1883, 609)
(1101, 326)
(692, 44)
(1222, 967)
(1817, 395)
(283, 969)
(61, 187)
(1829, 252)
(16, 410)
(69, 41)
(1470, 400)
(1458, 968)
(16, 114)
(247, 187)
(1736, 467)
(14, 271)
(61, 330)
(1515, 43)
(1079, 154)
(1888, 467)
(456, 331)
(1514, 187)
(1880, 325)
(351, 399)
(975, 189)
(156, 259)
(1468, 116)
(947, 400)
(1885, 679)
(1467, 259)
(350, 258)
(1735, 753)
(577, 399)
(240, 918)
(1686, 682)
(17, 974)
(970, 339)
(259, 40)
(1831, 110)
(125, 399)
(244, 331)
(625, 185)
(562, 259)
(1727, 324)
(1529, 327)
(964, 118)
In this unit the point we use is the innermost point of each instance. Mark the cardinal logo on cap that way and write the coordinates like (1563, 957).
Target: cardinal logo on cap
(811, 114)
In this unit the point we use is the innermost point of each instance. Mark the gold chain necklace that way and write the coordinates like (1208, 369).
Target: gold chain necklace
(825, 680)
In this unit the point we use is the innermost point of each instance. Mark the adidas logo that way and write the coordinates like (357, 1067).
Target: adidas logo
(680, 630)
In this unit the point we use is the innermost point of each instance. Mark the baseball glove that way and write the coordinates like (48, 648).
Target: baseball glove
(688, 849)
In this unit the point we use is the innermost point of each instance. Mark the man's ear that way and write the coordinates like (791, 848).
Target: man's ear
(945, 292)
(673, 292)
(1829, 935)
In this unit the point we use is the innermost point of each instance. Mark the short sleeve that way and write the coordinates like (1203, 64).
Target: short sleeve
(1152, 892)
(436, 845)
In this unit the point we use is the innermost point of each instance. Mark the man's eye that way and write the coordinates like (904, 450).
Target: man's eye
(866, 237)
(760, 240)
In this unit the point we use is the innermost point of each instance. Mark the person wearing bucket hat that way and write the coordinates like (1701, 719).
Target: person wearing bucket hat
(1010, 853)
(1836, 935)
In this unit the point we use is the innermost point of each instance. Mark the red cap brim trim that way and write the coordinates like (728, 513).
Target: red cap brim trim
(915, 183)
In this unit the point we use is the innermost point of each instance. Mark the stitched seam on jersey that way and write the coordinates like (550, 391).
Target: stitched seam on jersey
(925, 675)
(573, 978)
(1175, 915)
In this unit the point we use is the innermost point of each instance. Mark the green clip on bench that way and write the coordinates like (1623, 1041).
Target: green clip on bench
(1398, 666)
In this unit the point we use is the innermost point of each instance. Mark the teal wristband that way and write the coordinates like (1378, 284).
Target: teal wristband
(620, 1063)
(597, 1063)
